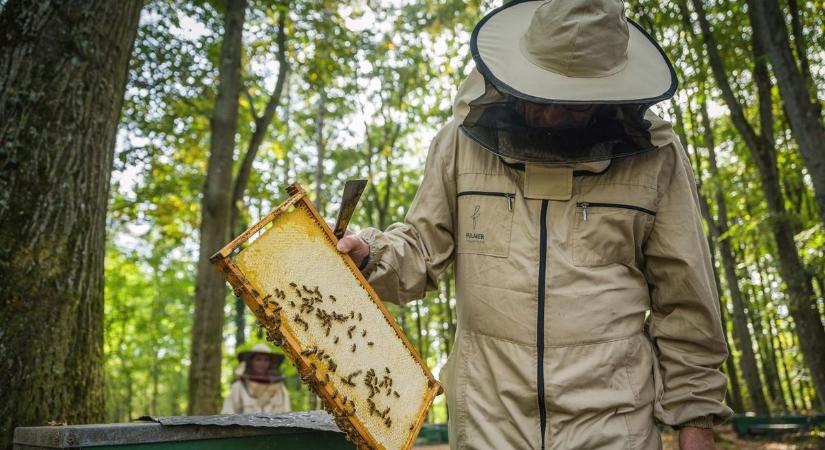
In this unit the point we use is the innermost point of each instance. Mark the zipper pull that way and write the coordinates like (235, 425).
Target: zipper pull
(584, 210)
(509, 201)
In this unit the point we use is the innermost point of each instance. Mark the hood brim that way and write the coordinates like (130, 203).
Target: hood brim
(648, 76)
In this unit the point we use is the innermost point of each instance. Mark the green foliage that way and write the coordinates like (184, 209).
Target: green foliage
(147, 328)
(387, 83)
(749, 231)
(387, 72)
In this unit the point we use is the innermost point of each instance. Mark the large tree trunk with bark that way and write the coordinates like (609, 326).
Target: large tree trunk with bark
(210, 287)
(62, 82)
(801, 301)
(804, 114)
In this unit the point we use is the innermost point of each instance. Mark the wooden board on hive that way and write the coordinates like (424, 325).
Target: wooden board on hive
(315, 304)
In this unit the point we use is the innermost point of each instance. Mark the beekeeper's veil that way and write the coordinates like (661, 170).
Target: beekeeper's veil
(583, 56)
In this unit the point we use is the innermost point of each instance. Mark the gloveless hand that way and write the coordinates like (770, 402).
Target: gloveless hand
(354, 246)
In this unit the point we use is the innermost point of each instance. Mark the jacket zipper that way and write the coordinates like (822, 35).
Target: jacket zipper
(509, 196)
(585, 205)
(540, 319)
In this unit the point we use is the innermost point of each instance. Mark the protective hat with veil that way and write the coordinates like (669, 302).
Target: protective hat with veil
(583, 57)
(245, 355)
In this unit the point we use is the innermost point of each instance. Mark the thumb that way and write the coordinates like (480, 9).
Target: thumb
(345, 244)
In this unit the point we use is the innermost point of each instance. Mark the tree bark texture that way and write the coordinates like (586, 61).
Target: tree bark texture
(63, 70)
(801, 301)
(210, 287)
(319, 144)
(804, 114)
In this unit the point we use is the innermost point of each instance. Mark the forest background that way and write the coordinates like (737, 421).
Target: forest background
(205, 110)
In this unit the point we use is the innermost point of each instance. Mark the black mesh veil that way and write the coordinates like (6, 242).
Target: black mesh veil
(496, 123)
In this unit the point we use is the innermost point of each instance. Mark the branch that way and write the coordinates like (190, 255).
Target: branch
(261, 124)
(762, 79)
(251, 101)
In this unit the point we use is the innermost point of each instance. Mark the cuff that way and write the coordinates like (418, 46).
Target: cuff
(699, 422)
(364, 263)
(368, 265)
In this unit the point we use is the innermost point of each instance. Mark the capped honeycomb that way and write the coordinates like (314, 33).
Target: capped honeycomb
(316, 305)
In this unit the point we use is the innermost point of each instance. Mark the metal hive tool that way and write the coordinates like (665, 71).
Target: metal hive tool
(315, 304)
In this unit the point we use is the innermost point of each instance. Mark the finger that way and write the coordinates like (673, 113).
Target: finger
(346, 244)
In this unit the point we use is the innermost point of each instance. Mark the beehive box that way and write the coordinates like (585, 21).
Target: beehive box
(315, 304)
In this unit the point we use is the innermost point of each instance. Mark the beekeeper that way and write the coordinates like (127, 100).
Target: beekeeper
(586, 304)
(258, 386)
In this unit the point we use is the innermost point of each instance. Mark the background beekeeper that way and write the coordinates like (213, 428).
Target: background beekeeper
(258, 386)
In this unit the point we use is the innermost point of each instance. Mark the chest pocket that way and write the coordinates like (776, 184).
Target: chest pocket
(609, 233)
(485, 216)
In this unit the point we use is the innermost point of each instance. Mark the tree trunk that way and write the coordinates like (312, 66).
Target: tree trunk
(801, 304)
(804, 114)
(210, 287)
(319, 144)
(800, 45)
(62, 82)
(764, 345)
(771, 352)
(819, 284)
(259, 132)
(236, 226)
(780, 347)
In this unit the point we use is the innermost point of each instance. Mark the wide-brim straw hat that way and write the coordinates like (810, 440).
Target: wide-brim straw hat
(571, 51)
(261, 349)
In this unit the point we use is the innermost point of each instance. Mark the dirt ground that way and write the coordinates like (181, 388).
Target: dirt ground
(726, 440)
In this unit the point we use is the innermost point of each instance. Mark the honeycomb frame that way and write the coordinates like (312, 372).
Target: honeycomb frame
(282, 334)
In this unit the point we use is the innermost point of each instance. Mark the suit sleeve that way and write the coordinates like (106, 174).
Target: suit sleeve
(685, 322)
(406, 259)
